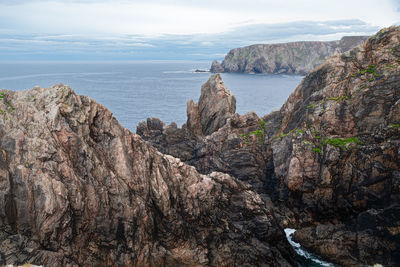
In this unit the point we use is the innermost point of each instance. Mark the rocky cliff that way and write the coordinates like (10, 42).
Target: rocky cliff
(329, 159)
(77, 189)
(337, 155)
(292, 58)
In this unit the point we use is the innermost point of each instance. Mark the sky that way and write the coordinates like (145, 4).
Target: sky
(176, 29)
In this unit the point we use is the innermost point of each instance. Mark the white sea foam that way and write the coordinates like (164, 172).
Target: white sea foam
(297, 247)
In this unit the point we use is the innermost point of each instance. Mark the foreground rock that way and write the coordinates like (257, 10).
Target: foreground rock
(337, 158)
(76, 188)
(291, 58)
(329, 158)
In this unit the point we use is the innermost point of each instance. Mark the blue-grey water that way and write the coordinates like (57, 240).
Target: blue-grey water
(134, 91)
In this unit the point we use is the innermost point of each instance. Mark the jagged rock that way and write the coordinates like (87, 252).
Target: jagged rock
(216, 105)
(211, 140)
(356, 244)
(331, 153)
(216, 67)
(353, 95)
(193, 124)
(292, 58)
(77, 189)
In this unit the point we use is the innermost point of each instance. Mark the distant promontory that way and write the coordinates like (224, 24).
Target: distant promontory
(290, 58)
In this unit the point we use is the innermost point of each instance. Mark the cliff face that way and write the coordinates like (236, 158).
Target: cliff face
(292, 58)
(329, 159)
(76, 188)
(338, 155)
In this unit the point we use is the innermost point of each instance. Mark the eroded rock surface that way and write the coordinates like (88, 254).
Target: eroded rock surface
(330, 157)
(77, 189)
(338, 155)
(211, 139)
(292, 58)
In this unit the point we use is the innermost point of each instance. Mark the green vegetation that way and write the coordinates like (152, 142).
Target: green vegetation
(260, 134)
(318, 142)
(9, 107)
(342, 143)
(340, 98)
(395, 125)
(370, 70)
(311, 106)
(317, 150)
(286, 134)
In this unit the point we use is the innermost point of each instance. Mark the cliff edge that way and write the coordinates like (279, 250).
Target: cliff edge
(290, 58)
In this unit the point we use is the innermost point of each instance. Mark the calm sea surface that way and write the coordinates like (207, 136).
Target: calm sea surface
(135, 91)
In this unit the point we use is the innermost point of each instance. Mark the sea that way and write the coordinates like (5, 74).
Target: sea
(135, 91)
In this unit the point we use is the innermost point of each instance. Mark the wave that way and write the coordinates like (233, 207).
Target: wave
(186, 71)
(302, 253)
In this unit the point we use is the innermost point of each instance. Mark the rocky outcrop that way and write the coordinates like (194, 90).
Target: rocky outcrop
(292, 58)
(330, 156)
(366, 241)
(336, 155)
(216, 105)
(77, 189)
(216, 67)
(211, 139)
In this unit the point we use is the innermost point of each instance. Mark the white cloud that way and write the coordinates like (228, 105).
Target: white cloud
(156, 17)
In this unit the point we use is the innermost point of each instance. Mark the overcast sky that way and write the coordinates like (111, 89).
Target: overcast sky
(118, 29)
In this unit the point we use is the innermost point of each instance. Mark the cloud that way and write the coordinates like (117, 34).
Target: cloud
(155, 17)
(170, 46)
(175, 29)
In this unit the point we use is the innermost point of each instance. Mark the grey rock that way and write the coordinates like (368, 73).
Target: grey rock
(291, 58)
(216, 67)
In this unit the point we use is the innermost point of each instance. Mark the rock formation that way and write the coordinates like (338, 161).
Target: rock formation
(338, 158)
(292, 58)
(211, 139)
(330, 156)
(216, 67)
(77, 189)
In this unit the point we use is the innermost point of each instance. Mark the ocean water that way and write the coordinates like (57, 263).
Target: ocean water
(134, 91)
(305, 258)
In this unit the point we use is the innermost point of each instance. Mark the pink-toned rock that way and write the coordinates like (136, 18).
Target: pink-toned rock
(294, 177)
(77, 189)
(216, 105)
(330, 155)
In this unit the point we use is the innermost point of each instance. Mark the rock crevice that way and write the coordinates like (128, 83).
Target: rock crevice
(76, 188)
